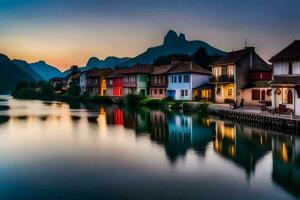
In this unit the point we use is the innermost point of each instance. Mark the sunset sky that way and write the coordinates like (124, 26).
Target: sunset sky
(67, 32)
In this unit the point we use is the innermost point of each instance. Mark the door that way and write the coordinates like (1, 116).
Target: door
(171, 93)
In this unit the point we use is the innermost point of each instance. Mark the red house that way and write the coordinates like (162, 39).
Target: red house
(114, 83)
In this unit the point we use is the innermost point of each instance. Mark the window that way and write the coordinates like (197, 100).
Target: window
(256, 95)
(161, 91)
(161, 79)
(182, 93)
(142, 78)
(290, 97)
(205, 94)
(175, 79)
(186, 78)
(229, 92)
(179, 79)
(186, 93)
(290, 68)
(155, 91)
(230, 71)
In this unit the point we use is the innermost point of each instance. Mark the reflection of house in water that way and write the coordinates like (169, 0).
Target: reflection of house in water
(184, 132)
(138, 120)
(114, 116)
(286, 163)
(159, 126)
(244, 146)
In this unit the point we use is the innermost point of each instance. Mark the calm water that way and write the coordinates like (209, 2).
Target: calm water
(52, 151)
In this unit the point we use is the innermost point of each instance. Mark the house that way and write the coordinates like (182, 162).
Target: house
(96, 81)
(286, 79)
(136, 80)
(82, 82)
(183, 77)
(241, 75)
(114, 83)
(159, 81)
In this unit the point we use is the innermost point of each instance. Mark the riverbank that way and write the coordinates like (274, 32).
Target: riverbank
(254, 116)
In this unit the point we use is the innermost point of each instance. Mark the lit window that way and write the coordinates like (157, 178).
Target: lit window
(229, 92)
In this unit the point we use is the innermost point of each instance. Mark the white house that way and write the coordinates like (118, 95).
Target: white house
(183, 77)
(82, 82)
(286, 81)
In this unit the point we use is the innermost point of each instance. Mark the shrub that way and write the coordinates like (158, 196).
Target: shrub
(133, 100)
(154, 102)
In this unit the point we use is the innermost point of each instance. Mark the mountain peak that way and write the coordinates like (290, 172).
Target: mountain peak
(4, 57)
(93, 62)
(172, 38)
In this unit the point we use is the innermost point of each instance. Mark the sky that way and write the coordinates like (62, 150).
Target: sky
(68, 32)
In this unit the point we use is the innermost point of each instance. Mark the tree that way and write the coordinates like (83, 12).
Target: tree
(166, 60)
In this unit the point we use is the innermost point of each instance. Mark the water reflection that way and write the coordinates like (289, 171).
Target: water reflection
(147, 147)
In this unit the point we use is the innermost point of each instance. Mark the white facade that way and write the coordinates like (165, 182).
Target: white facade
(82, 83)
(286, 94)
(265, 94)
(181, 85)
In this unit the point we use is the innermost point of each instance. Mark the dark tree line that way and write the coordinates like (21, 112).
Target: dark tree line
(200, 57)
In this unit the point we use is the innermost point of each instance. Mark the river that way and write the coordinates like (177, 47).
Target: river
(50, 150)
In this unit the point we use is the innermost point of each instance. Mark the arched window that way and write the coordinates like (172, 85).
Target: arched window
(290, 97)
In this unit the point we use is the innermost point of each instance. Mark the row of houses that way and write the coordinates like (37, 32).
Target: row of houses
(240, 76)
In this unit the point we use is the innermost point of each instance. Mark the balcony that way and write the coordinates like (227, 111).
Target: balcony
(222, 78)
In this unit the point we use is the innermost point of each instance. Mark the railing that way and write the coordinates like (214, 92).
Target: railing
(222, 78)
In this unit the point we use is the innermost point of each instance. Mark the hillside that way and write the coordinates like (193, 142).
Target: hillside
(173, 44)
(11, 74)
(26, 67)
(44, 70)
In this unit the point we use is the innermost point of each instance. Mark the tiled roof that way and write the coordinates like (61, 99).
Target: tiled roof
(231, 57)
(290, 53)
(97, 72)
(138, 69)
(187, 67)
(286, 80)
(116, 73)
(160, 69)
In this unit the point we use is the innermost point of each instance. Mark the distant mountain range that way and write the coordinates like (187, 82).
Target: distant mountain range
(13, 71)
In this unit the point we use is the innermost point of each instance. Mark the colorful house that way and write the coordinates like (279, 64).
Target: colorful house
(183, 77)
(59, 83)
(96, 81)
(114, 83)
(159, 81)
(232, 74)
(286, 83)
(136, 80)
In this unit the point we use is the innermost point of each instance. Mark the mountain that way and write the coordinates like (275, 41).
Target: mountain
(173, 44)
(11, 74)
(27, 68)
(94, 62)
(44, 70)
(110, 61)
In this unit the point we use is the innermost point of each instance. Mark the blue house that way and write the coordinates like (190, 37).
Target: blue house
(183, 77)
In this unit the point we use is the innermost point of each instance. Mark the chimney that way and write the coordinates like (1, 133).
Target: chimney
(251, 51)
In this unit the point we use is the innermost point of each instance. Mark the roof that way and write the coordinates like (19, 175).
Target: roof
(286, 80)
(187, 67)
(161, 69)
(231, 57)
(138, 69)
(290, 53)
(206, 86)
(96, 72)
(116, 73)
